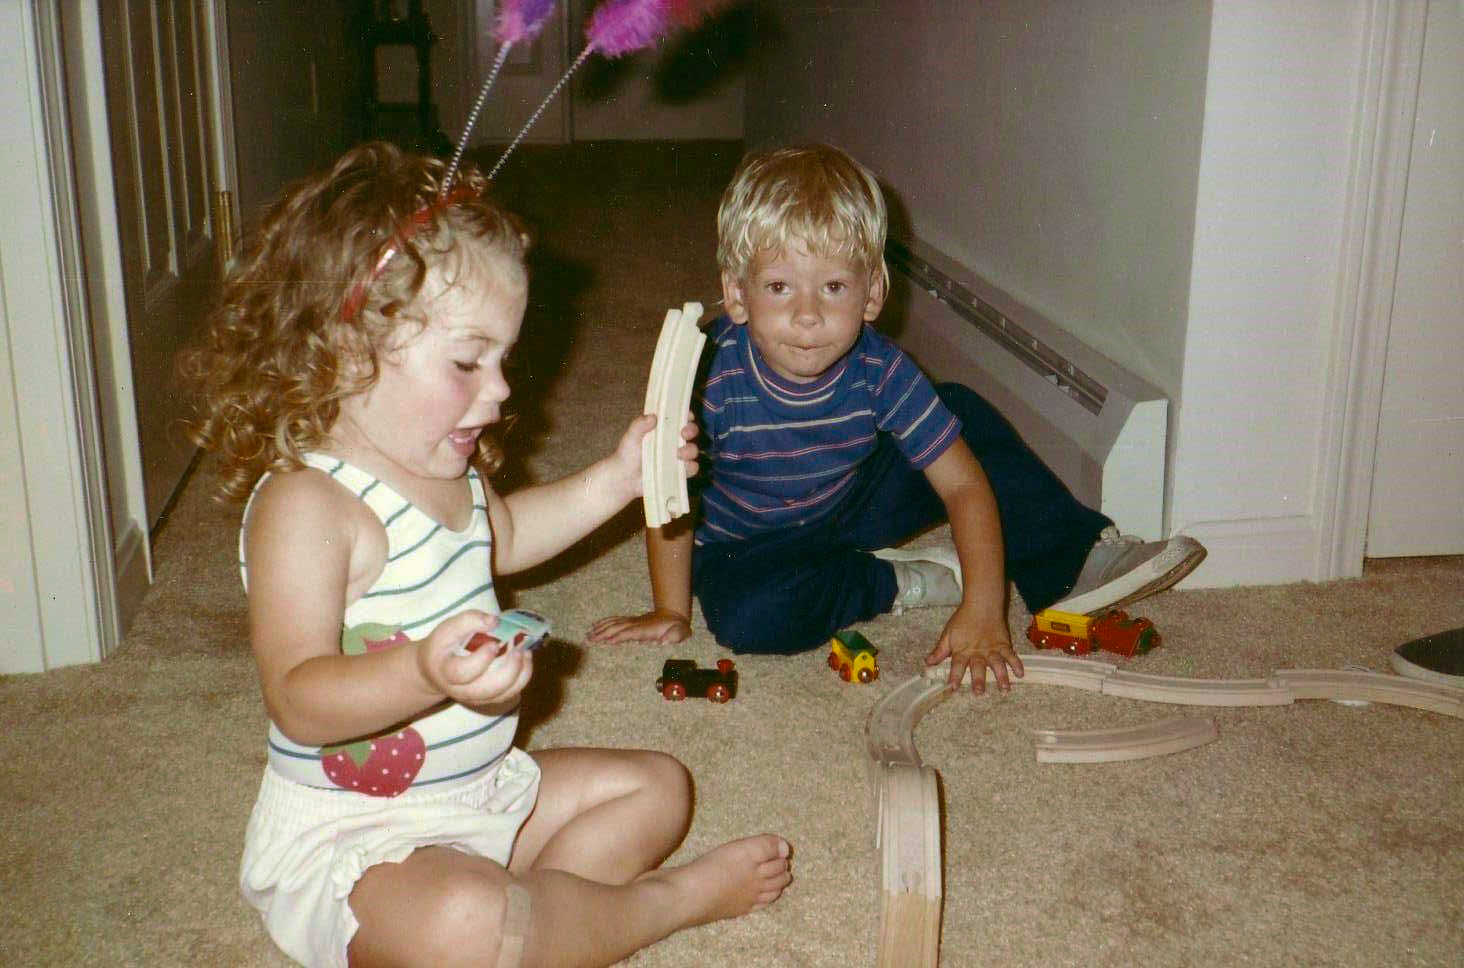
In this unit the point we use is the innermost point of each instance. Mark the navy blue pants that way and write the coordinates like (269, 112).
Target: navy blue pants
(790, 590)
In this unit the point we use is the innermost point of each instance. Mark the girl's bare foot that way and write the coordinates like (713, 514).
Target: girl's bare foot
(735, 878)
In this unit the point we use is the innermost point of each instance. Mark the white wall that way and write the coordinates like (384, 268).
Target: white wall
(1280, 113)
(1421, 410)
(1051, 146)
(1171, 182)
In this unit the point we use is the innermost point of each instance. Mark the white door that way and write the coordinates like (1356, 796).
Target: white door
(159, 56)
(528, 74)
(1418, 478)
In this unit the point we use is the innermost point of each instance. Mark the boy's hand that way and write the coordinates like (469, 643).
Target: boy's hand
(976, 642)
(688, 452)
(489, 674)
(664, 628)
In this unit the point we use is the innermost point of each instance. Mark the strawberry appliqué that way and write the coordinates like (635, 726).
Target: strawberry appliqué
(385, 765)
(371, 637)
(382, 766)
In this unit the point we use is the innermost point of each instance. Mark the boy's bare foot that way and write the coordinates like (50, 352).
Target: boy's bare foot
(735, 878)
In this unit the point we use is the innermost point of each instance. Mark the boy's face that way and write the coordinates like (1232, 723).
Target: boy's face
(803, 311)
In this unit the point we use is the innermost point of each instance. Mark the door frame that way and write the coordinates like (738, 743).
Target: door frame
(48, 585)
(1352, 404)
(81, 574)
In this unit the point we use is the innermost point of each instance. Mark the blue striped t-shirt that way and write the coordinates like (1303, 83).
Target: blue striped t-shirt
(783, 454)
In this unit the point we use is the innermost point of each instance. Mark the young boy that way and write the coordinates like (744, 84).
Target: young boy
(827, 446)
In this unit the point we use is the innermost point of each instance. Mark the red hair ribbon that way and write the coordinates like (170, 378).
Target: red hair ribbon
(355, 300)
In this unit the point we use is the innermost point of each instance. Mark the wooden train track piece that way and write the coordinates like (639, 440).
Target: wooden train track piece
(1196, 692)
(890, 728)
(668, 396)
(1281, 688)
(1159, 738)
(1049, 670)
(910, 875)
(1343, 685)
(907, 807)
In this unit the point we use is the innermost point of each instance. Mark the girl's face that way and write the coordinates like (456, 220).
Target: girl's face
(439, 386)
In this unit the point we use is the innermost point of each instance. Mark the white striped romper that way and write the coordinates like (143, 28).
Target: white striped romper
(452, 777)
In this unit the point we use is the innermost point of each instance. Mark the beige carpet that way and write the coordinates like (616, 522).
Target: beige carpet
(1311, 834)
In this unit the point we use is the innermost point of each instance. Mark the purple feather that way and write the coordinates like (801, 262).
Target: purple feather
(618, 27)
(521, 20)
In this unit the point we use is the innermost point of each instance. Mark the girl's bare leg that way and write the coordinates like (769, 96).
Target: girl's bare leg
(605, 815)
(577, 923)
(441, 907)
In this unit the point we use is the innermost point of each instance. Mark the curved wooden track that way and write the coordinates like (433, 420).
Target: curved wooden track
(668, 396)
(1124, 742)
(907, 805)
(890, 728)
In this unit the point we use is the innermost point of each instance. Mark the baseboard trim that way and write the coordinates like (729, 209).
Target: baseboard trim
(130, 561)
(1258, 551)
(1099, 427)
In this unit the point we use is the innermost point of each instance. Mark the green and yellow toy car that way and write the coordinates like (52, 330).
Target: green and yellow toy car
(853, 657)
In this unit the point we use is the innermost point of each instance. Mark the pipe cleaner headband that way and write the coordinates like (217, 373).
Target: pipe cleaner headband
(616, 28)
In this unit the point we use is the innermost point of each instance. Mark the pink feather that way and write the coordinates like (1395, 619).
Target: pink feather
(521, 20)
(618, 27)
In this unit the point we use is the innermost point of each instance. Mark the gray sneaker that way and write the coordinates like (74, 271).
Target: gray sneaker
(924, 576)
(1122, 569)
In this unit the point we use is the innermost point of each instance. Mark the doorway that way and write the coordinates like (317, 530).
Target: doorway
(1417, 498)
(161, 78)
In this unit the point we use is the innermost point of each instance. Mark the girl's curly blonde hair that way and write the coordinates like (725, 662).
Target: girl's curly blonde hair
(308, 310)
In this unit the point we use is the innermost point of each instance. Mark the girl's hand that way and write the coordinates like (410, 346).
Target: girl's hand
(977, 642)
(664, 628)
(490, 674)
(626, 460)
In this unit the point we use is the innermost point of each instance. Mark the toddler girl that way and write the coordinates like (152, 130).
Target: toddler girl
(350, 382)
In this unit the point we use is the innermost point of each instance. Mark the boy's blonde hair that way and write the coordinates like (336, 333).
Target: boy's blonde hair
(816, 195)
(307, 313)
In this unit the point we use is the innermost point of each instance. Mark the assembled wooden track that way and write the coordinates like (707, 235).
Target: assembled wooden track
(668, 396)
(907, 831)
(908, 840)
(907, 801)
(890, 729)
